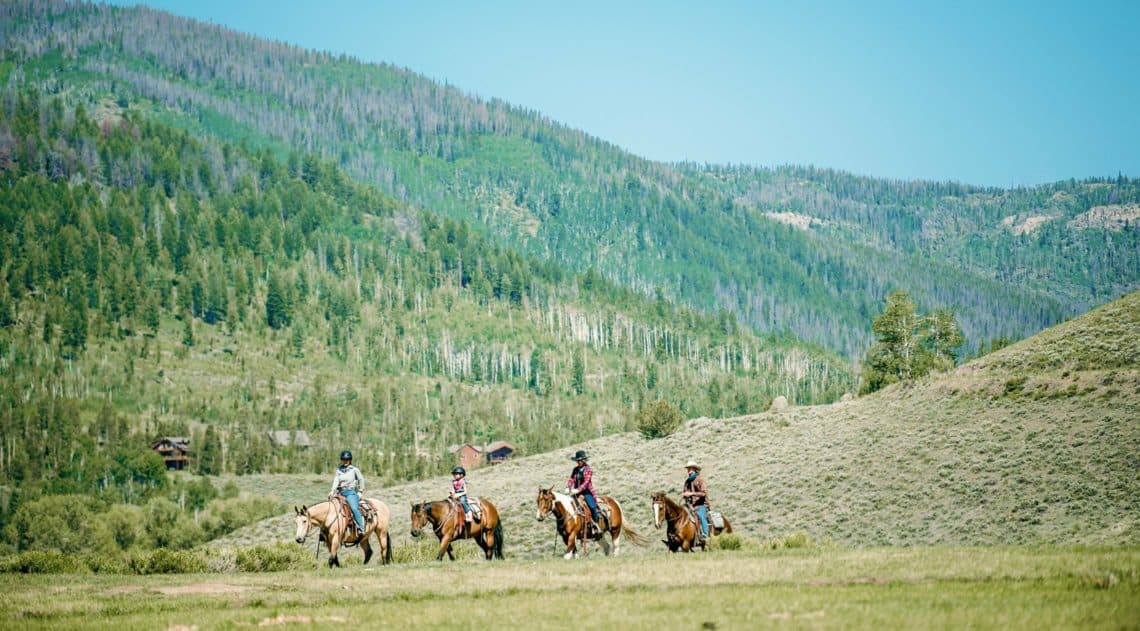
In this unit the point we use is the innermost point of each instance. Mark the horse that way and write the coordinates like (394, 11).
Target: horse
(681, 528)
(334, 528)
(572, 526)
(445, 517)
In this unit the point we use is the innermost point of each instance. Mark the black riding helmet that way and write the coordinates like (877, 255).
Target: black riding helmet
(459, 470)
(346, 455)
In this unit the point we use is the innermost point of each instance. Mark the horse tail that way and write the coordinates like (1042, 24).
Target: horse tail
(637, 538)
(387, 547)
(497, 550)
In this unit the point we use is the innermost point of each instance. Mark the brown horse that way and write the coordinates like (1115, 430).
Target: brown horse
(334, 528)
(572, 525)
(682, 527)
(446, 517)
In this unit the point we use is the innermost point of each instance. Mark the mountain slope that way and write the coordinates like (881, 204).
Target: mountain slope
(709, 237)
(153, 283)
(1037, 443)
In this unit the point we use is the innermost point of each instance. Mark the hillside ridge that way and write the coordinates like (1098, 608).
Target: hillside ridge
(960, 458)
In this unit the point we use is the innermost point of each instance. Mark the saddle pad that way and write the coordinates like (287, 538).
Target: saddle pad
(716, 519)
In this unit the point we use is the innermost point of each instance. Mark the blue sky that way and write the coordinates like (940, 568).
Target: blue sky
(992, 93)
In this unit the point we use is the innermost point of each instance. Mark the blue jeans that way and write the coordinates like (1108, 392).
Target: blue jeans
(353, 500)
(592, 503)
(465, 505)
(703, 516)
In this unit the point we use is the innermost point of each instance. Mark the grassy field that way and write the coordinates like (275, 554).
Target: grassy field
(939, 587)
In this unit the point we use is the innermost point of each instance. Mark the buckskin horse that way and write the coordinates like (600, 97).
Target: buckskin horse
(334, 528)
(572, 523)
(682, 526)
(445, 517)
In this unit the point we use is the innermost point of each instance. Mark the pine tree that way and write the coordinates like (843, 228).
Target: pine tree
(210, 455)
(75, 318)
(578, 373)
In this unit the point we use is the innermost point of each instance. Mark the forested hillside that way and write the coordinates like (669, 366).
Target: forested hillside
(153, 283)
(801, 250)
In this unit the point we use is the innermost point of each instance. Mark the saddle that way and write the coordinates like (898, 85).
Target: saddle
(473, 503)
(345, 511)
(604, 516)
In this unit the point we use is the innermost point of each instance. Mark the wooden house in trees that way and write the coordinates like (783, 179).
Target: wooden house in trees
(498, 451)
(467, 455)
(175, 451)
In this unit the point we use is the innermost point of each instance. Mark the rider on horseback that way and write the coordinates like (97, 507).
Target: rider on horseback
(696, 495)
(581, 482)
(459, 493)
(348, 482)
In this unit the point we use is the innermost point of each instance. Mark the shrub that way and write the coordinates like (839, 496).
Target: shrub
(427, 547)
(795, 540)
(727, 541)
(166, 561)
(1014, 385)
(45, 562)
(276, 557)
(58, 522)
(107, 563)
(224, 516)
(125, 523)
(659, 418)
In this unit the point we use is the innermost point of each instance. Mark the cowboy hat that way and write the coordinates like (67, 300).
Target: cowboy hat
(692, 464)
(581, 455)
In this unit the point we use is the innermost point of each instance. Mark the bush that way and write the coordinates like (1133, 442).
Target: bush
(45, 562)
(727, 541)
(659, 418)
(796, 540)
(107, 564)
(165, 561)
(125, 523)
(276, 557)
(224, 516)
(427, 547)
(58, 522)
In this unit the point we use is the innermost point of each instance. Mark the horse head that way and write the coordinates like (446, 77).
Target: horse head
(659, 505)
(545, 502)
(420, 515)
(304, 522)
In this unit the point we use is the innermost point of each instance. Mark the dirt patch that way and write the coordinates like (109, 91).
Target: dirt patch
(201, 588)
(283, 619)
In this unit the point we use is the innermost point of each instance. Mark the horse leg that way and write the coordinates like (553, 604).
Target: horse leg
(334, 548)
(444, 546)
(571, 544)
(366, 546)
(487, 540)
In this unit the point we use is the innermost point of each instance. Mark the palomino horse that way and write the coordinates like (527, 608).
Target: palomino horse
(681, 528)
(445, 517)
(334, 528)
(572, 526)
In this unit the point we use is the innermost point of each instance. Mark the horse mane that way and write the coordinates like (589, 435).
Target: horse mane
(565, 501)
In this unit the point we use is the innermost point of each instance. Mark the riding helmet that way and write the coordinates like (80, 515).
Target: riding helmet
(346, 455)
(459, 470)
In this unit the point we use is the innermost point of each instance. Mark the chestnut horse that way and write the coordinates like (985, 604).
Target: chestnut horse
(445, 517)
(572, 525)
(682, 526)
(334, 528)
